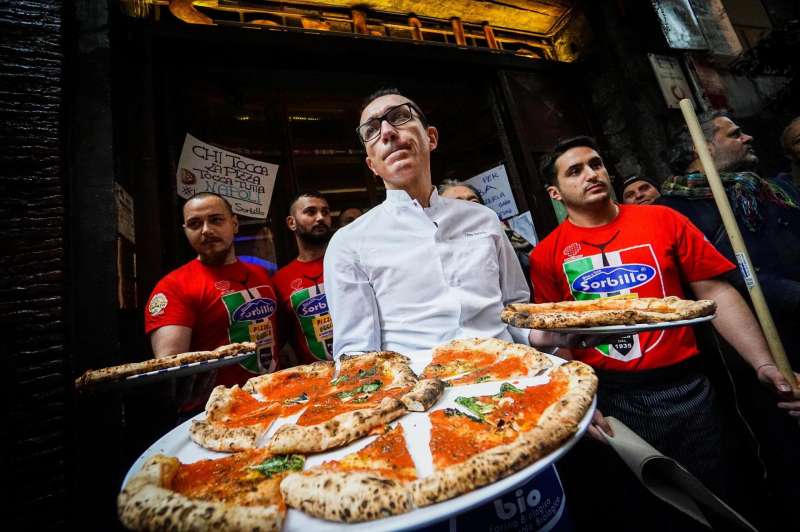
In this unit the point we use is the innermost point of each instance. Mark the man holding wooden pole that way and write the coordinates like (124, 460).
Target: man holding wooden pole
(753, 217)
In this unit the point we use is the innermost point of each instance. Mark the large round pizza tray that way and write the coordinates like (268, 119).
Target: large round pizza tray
(633, 329)
(417, 432)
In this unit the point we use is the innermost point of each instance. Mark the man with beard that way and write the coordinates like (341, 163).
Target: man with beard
(213, 300)
(766, 211)
(768, 215)
(652, 381)
(300, 283)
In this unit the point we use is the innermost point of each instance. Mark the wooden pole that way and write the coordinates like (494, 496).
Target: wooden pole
(737, 242)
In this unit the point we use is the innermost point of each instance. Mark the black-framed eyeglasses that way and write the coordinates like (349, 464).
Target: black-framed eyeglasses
(396, 116)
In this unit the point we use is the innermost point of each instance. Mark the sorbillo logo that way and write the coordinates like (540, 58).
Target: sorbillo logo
(256, 309)
(313, 307)
(613, 278)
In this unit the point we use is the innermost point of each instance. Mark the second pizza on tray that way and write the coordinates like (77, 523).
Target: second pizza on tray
(605, 311)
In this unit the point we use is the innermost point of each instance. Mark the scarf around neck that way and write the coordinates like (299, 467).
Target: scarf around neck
(746, 191)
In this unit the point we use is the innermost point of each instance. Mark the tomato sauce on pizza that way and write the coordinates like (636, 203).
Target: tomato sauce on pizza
(387, 456)
(226, 479)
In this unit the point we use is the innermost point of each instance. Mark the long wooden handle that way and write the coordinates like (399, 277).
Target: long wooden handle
(737, 242)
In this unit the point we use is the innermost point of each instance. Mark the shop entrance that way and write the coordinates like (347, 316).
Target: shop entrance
(305, 121)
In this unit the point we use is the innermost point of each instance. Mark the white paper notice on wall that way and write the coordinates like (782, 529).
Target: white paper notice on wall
(246, 183)
(496, 191)
(523, 226)
(670, 77)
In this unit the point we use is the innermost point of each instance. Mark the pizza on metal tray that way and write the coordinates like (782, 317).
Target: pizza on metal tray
(605, 311)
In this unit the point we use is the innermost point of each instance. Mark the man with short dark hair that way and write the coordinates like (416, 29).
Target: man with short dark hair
(641, 190)
(652, 381)
(300, 283)
(214, 299)
(349, 215)
(420, 270)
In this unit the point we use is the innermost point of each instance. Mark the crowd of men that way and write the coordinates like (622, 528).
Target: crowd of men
(427, 265)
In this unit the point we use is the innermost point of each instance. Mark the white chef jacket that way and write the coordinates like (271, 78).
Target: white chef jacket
(405, 278)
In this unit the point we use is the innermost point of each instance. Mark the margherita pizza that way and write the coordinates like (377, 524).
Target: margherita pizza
(484, 359)
(605, 311)
(238, 492)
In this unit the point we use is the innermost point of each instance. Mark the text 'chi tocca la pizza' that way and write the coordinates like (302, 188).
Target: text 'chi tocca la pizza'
(480, 439)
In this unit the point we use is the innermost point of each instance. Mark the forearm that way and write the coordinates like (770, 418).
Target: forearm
(735, 322)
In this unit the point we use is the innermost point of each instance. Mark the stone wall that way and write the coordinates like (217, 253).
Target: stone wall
(35, 377)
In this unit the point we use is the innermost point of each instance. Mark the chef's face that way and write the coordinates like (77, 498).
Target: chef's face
(400, 155)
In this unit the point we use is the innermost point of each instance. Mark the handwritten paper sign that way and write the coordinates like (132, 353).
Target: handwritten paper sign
(246, 183)
(496, 191)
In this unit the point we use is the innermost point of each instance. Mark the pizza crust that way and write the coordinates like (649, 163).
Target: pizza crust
(535, 361)
(423, 395)
(397, 364)
(337, 431)
(211, 432)
(346, 496)
(488, 466)
(599, 312)
(118, 373)
(316, 369)
(147, 503)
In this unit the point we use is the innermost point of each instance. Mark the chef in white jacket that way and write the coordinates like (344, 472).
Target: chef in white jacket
(419, 270)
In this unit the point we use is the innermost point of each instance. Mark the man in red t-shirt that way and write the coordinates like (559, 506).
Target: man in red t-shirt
(300, 283)
(650, 381)
(214, 299)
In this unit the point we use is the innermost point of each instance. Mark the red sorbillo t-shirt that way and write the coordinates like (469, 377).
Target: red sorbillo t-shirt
(302, 295)
(646, 250)
(221, 304)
